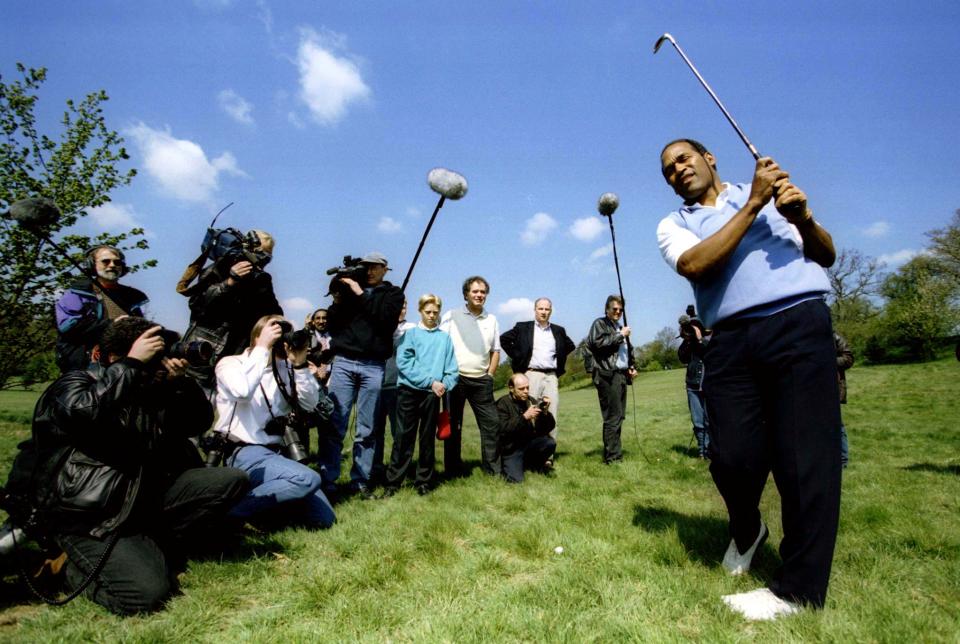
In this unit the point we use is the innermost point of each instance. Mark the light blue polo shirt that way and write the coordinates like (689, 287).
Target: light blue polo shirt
(767, 272)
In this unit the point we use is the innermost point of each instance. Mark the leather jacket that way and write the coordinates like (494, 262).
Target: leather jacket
(604, 342)
(109, 441)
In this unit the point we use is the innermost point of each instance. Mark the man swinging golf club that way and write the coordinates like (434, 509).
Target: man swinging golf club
(755, 258)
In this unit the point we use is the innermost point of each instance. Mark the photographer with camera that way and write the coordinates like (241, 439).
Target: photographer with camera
(230, 295)
(262, 395)
(690, 352)
(115, 479)
(525, 426)
(361, 320)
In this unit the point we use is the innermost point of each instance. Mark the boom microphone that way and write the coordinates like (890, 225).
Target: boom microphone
(608, 203)
(35, 213)
(447, 183)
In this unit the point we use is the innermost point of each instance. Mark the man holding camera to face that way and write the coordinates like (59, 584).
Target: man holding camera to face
(361, 321)
(262, 394)
(230, 295)
(525, 426)
(116, 478)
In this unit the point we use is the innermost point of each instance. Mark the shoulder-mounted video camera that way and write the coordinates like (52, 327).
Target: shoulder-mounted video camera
(352, 268)
(229, 246)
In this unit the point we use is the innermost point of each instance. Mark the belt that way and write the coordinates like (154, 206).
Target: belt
(542, 370)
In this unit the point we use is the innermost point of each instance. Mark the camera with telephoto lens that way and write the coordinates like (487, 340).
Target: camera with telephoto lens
(197, 353)
(285, 428)
(215, 446)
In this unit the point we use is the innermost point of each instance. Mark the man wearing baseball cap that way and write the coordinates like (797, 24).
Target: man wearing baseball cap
(361, 322)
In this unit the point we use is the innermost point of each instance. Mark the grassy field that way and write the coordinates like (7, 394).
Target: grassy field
(475, 561)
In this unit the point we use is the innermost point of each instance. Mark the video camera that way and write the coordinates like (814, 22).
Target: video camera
(229, 246)
(689, 320)
(352, 268)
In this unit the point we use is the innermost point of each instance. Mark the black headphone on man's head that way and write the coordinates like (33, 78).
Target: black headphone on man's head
(90, 259)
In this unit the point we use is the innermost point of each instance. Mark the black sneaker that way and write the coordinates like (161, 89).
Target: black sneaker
(423, 489)
(365, 493)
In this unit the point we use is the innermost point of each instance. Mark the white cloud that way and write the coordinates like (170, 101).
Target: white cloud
(516, 308)
(389, 225)
(180, 166)
(587, 229)
(603, 251)
(296, 304)
(537, 229)
(113, 216)
(236, 107)
(328, 84)
(412, 211)
(877, 229)
(899, 257)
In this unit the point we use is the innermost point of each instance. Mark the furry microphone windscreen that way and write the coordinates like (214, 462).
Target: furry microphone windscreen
(447, 183)
(608, 203)
(35, 213)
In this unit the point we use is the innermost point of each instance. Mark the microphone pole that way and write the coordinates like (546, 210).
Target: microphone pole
(449, 185)
(606, 206)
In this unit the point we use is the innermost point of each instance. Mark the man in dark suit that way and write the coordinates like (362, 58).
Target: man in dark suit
(539, 350)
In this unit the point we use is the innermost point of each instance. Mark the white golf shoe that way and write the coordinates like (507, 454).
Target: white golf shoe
(738, 564)
(760, 605)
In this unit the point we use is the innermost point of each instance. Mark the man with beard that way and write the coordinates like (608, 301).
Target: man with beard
(88, 306)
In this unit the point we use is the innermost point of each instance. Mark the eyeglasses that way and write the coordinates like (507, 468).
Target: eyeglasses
(107, 261)
(612, 310)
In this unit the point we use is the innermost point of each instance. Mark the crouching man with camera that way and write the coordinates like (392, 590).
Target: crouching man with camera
(525, 442)
(116, 482)
(261, 396)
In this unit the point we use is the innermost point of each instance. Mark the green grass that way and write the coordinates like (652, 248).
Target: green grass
(475, 561)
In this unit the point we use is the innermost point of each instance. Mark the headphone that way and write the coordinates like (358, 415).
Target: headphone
(90, 259)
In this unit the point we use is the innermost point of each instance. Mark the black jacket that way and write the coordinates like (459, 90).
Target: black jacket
(106, 420)
(690, 352)
(224, 314)
(362, 326)
(518, 344)
(515, 430)
(604, 342)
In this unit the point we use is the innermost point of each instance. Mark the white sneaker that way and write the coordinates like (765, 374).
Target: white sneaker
(760, 605)
(736, 563)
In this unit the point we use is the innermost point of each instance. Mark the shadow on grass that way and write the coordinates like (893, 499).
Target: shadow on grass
(685, 450)
(704, 538)
(934, 467)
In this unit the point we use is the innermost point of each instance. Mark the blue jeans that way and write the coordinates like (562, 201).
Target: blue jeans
(698, 416)
(386, 409)
(275, 479)
(352, 382)
(844, 446)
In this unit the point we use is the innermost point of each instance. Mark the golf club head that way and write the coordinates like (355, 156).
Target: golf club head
(660, 40)
(447, 183)
(608, 203)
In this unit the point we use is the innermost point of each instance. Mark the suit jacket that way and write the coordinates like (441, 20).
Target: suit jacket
(518, 344)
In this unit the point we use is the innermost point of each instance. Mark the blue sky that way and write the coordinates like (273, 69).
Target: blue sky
(320, 120)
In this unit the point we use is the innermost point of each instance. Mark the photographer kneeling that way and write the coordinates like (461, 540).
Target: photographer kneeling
(116, 475)
(525, 442)
(260, 394)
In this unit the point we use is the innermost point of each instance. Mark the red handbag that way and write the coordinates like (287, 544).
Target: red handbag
(443, 422)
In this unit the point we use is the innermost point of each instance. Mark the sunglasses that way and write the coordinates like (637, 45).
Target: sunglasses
(109, 262)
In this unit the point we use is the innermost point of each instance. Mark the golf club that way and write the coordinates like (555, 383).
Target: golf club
(713, 95)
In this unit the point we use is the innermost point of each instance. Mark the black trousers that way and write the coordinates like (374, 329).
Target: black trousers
(416, 419)
(479, 391)
(530, 456)
(612, 392)
(140, 572)
(773, 401)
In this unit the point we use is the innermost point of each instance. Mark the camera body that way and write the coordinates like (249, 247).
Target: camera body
(543, 405)
(215, 446)
(352, 268)
(285, 428)
(297, 340)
